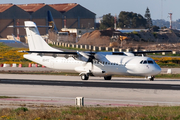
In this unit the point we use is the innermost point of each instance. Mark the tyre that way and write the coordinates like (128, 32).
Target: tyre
(151, 79)
(84, 77)
(107, 77)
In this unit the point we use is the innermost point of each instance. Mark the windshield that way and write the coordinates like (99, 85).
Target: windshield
(147, 62)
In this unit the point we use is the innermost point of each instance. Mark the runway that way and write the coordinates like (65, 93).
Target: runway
(164, 70)
(62, 90)
(91, 84)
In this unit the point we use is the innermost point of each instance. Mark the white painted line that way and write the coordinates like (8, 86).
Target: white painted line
(94, 99)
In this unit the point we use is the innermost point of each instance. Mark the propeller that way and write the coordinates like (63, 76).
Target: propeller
(88, 57)
(91, 59)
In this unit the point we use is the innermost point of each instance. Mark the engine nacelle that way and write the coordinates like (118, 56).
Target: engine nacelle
(129, 54)
(82, 56)
(100, 73)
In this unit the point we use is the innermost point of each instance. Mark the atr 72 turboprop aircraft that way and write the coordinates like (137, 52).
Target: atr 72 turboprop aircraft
(103, 64)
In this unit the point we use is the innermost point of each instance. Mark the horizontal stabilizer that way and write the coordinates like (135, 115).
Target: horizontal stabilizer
(51, 52)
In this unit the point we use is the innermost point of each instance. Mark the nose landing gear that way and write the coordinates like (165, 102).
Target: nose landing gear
(151, 78)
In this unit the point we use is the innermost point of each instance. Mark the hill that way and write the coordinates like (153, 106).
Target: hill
(163, 39)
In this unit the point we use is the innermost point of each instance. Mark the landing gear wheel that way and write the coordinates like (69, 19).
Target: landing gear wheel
(84, 77)
(151, 78)
(107, 77)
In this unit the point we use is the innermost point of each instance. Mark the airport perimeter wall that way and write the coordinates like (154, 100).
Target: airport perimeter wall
(96, 48)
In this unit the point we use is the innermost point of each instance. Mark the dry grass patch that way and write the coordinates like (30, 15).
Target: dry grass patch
(1, 97)
(93, 113)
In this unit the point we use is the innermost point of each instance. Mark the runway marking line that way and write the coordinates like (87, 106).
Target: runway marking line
(87, 103)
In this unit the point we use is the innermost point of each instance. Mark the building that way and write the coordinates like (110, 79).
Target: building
(70, 15)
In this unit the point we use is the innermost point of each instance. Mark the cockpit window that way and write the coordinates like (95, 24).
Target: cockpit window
(145, 62)
(150, 62)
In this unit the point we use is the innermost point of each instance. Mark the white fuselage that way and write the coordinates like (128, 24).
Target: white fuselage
(110, 65)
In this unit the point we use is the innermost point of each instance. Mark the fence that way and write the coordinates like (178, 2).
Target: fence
(95, 48)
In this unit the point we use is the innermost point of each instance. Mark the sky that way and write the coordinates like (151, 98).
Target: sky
(159, 9)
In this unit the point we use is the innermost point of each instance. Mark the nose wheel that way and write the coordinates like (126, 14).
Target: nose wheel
(151, 78)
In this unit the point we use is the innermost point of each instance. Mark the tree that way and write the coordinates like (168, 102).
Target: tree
(148, 18)
(107, 22)
(155, 28)
(164, 27)
(131, 20)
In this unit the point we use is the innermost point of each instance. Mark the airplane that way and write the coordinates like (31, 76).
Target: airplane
(51, 22)
(102, 64)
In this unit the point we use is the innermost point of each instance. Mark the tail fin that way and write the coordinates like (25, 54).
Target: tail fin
(35, 41)
(51, 21)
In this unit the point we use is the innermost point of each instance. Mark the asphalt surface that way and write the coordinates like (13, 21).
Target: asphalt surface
(92, 84)
(163, 70)
(55, 90)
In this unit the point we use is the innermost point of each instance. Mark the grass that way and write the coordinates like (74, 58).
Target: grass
(1, 97)
(172, 76)
(167, 65)
(167, 54)
(11, 55)
(93, 113)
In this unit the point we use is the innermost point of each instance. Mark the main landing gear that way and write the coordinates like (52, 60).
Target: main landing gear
(84, 77)
(107, 77)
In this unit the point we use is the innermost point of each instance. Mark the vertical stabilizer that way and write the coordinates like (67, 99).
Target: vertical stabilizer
(35, 41)
(51, 22)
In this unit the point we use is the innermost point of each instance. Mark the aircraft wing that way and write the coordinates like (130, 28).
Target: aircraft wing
(144, 52)
(51, 52)
(93, 53)
(21, 26)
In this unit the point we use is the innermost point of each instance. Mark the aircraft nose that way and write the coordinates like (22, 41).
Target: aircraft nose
(157, 69)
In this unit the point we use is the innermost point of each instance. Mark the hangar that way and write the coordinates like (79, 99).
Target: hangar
(69, 15)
